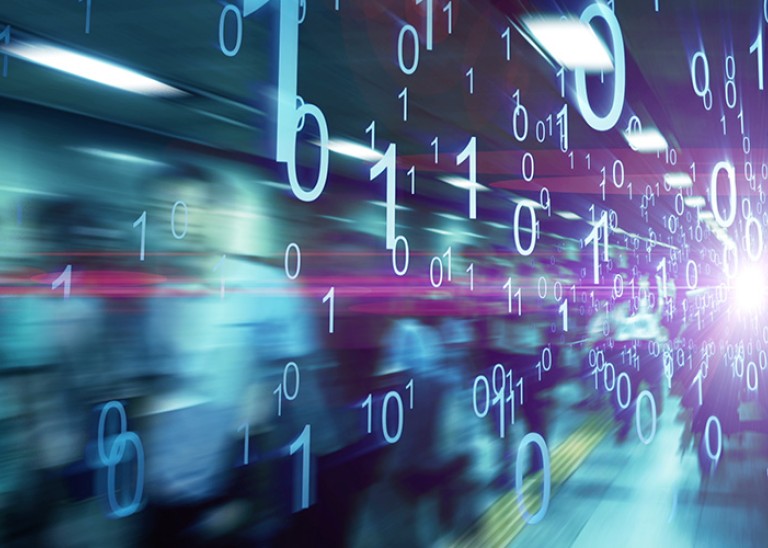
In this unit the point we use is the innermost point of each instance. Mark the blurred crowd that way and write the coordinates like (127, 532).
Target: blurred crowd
(194, 386)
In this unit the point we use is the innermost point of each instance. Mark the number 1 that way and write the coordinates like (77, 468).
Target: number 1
(142, 220)
(564, 311)
(247, 438)
(430, 16)
(470, 152)
(388, 163)
(302, 444)
(330, 297)
(757, 45)
(65, 278)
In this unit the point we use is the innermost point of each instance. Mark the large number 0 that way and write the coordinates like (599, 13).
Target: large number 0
(534, 227)
(288, 152)
(535, 439)
(290, 119)
(604, 123)
(728, 168)
(114, 453)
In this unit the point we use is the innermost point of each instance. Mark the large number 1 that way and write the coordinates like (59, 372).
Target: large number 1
(290, 118)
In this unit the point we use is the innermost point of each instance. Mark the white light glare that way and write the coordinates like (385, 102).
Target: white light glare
(646, 140)
(379, 203)
(694, 201)
(118, 156)
(461, 182)
(354, 150)
(568, 215)
(678, 180)
(570, 42)
(89, 68)
(749, 289)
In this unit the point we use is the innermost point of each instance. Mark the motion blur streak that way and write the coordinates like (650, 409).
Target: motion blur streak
(383, 274)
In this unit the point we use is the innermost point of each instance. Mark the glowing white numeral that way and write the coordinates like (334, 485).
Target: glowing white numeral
(173, 220)
(282, 388)
(142, 220)
(604, 123)
(535, 439)
(645, 395)
(757, 46)
(372, 130)
(388, 163)
(246, 440)
(404, 96)
(691, 280)
(384, 426)
(704, 92)
(623, 403)
(471, 75)
(470, 153)
(662, 266)
(439, 281)
(430, 19)
(594, 237)
(330, 297)
(408, 29)
(64, 278)
(707, 443)
(447, 255)
(296, 272)
(400, 272)
(753, 254)
(303, 443)
(505, 35)
(563, 309)
(730, 172)
(562, 121)
(752, 379)
(534, 227)
(528, 173)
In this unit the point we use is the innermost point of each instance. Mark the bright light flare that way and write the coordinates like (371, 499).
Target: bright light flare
(570, 42)
(678, 180)
(646, 140)
(749, 289)
(461, 182)
(90, 68)
(354, 150)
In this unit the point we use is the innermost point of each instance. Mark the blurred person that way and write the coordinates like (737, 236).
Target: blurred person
(218, 337)
(643, 328)
(516, 342)
(53, 368)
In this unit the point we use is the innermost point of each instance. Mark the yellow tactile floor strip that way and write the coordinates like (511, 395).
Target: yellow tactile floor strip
(503, 521)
